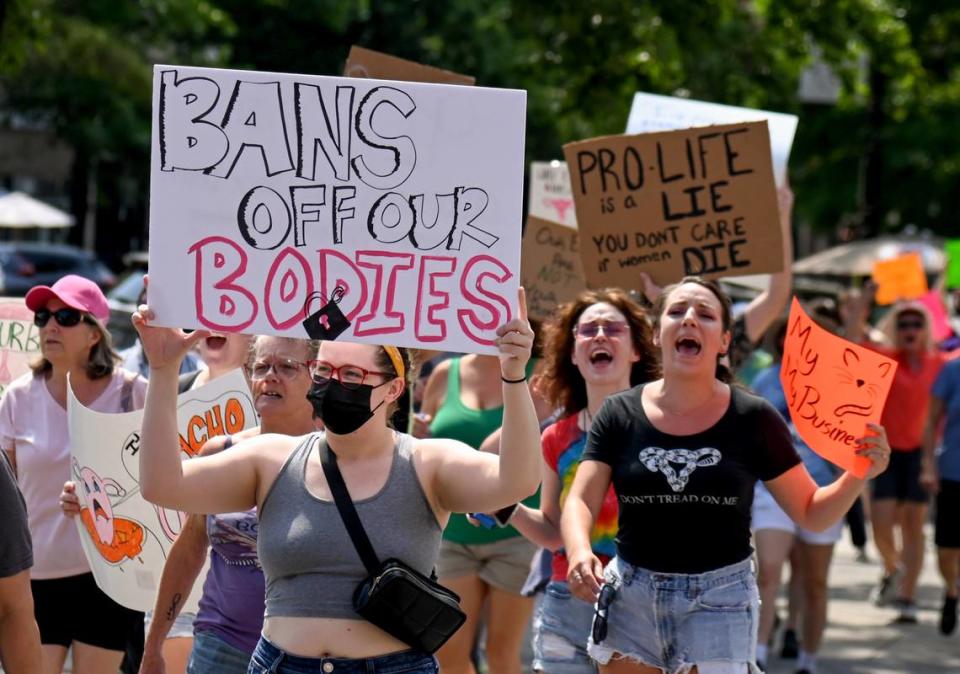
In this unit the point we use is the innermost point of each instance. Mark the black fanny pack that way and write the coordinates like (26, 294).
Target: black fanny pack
(398, 599)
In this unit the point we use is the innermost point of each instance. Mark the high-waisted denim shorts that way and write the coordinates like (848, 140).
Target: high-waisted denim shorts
(675, 621)
(269, 659)
(561, 626)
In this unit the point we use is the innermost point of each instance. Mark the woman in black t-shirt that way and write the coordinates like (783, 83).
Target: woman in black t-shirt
(683, 454)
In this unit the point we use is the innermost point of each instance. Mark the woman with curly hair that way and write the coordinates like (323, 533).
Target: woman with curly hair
(683, 454)
(597, 345)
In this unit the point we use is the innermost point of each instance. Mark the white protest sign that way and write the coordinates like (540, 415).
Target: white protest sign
(550, 195)
(19, 340)
(651, 112)
(125, 538)
(269, 191)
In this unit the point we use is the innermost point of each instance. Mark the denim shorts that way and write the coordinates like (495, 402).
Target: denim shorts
(182, 625)
(210, 653)
(561, 626)
(675, 621)
(268, 659)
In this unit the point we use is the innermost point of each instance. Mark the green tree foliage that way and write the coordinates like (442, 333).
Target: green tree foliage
(883, 156)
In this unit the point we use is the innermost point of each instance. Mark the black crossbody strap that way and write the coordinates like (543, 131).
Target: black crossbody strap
(348, 512)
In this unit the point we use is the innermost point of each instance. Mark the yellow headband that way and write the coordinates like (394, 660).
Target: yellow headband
(395, 358)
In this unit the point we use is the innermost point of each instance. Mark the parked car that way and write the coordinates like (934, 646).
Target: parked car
(123, 298)
(26, 264)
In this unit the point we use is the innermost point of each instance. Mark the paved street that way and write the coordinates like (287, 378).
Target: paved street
(860, 638)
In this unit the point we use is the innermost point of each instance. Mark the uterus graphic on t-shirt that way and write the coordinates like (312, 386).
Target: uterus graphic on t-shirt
(677, 465)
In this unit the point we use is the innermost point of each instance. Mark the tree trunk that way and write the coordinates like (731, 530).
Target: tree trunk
(872, 194)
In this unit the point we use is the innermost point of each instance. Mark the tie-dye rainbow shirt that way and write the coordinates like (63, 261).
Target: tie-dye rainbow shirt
(563, 444)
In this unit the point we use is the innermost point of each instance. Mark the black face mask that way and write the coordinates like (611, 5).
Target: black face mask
(342, 410)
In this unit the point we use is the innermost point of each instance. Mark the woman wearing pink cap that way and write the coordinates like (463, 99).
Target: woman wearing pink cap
(70, 316)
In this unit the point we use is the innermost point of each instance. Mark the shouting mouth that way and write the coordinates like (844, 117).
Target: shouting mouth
(215, 342)
(98, 511)
(688, 346)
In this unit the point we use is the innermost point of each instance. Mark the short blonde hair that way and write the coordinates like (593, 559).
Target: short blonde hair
(888, 324)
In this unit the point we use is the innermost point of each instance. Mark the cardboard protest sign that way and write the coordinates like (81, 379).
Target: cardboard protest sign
(900, 278)
(378, 66)
(651, 112)
(550, 195)
(551, 273)
(19, 340)
(953, 263)
(833, 388)
(125, 538)
(270, 192)
(694, 201)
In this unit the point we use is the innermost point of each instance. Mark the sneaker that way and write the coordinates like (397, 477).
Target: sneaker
(906, 612)
(885, 591)
(948, 616)
(862, 556)
(790, 646)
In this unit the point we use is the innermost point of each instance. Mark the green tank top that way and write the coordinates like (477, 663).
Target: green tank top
(459, 422)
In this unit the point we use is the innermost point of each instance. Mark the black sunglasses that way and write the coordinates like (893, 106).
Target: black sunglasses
(908, 324)
(65, 318)
(607, 594)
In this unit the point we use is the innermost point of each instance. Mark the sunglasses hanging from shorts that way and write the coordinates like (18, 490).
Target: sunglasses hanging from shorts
(607, 594)
(65, 318)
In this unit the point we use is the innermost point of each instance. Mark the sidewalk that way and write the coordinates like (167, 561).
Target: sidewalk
(860, 638)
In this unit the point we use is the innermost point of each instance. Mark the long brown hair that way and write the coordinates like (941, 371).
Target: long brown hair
(726, 314)
(562, 383)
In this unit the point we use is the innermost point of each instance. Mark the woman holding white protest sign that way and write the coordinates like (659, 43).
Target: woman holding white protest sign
(70, 315)
(683, 454)
(228, 624)
(311, 566)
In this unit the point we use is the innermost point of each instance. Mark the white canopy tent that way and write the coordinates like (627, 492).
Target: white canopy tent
(20, 211)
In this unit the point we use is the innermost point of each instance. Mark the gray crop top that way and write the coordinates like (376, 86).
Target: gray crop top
(310, 565)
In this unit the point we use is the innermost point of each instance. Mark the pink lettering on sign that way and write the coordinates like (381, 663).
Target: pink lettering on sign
(480, 269)
(219, 263)
(431, 300)
(380, 290)
(386, 319)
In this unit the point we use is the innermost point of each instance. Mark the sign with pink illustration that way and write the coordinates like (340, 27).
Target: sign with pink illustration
(19, 340)
(550, 195)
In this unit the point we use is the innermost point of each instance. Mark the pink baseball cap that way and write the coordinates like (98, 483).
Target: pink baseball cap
(74, 291)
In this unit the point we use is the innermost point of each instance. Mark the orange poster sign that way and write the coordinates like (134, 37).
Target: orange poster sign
(901, 278)
(833, 388)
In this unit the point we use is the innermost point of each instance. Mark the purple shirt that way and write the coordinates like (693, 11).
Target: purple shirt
(232, 601)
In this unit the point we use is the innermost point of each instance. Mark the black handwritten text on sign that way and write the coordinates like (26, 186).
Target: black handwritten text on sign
(551, 270)
(694, 201)
(266, 188)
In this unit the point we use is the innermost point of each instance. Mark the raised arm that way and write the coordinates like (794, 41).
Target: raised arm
(467, 480)
(818, 508)
(856, 313)
(765, 308)
(226, 482)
